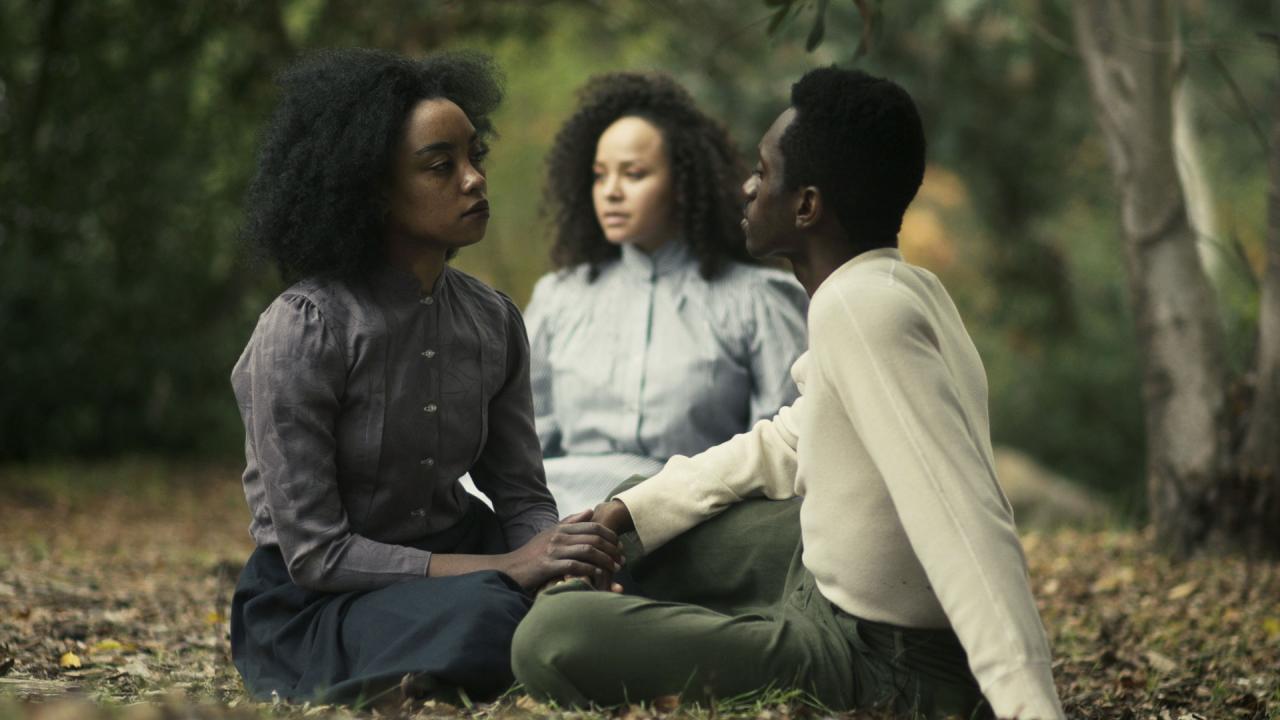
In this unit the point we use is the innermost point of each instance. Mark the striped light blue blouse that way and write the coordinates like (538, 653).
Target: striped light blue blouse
(650, 360)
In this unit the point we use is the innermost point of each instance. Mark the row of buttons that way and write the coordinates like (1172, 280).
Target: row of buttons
(430, 407)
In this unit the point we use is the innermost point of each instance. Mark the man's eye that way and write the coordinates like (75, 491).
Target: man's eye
(440, 166)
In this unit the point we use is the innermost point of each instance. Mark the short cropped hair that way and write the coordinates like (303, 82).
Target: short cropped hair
(859, 140)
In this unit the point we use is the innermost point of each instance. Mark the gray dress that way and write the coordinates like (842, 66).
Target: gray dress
(650, 360)
(363, 401)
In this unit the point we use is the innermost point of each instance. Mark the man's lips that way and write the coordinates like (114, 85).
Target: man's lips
(480, 208)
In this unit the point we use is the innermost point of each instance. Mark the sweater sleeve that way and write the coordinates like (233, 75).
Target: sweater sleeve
(883, 355)
(690, 490)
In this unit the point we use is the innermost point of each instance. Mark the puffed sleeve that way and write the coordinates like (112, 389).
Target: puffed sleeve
(538, 317)
(509, 470)
(289, 384)
(777, 338)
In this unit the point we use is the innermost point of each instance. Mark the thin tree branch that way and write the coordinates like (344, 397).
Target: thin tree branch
(1238, 94)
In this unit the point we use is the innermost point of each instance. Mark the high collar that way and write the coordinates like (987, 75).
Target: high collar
(870, 256)
(399, 286)
(671, 256)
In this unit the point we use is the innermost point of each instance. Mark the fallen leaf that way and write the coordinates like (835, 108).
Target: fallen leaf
(135, 668)
(215, 617)
(1271, 626)
(69, 661)
(1182, 590)
(1161, 663)
(528, 704)
(666, 703)
(1113, 580)
(104, 646)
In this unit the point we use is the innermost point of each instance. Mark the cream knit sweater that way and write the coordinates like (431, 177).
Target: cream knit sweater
(889, 444)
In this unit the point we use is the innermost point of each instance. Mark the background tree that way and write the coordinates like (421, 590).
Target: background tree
(127, 134)
(1212, 471)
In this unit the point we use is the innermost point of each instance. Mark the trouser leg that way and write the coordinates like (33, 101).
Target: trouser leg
(583, 647)
(736, 562)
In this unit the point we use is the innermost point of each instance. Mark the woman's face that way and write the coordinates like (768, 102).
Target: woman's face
(632, 192)
(437, 191)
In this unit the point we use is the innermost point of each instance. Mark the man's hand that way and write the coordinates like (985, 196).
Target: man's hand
(614, 515)
(574, 548)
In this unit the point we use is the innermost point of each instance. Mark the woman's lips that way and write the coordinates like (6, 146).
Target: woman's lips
(480, 209)
(613, 219)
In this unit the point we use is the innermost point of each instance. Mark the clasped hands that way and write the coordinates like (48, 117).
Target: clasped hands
(583, 546)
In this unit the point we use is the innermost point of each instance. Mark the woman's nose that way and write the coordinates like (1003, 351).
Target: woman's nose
(613, 188)
(473, 180)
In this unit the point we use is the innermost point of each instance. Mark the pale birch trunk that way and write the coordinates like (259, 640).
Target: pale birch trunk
(1131, 55)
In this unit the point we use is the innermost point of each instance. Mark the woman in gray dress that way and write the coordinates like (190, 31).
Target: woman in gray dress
(376, 380)
(657, 335)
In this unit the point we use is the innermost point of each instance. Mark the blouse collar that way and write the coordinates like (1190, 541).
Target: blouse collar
(669, 257)
(399, 286)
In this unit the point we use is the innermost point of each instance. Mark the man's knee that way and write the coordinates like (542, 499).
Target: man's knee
(555, 637)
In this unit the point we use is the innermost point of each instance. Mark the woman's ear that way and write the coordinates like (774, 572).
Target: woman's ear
(809, 207)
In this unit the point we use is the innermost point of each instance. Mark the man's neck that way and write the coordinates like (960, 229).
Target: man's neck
(822, 254)
(818, 260)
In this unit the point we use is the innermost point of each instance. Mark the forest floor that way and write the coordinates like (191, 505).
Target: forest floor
(115, 582)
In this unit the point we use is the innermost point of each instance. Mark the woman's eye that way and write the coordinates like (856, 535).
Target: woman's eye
(440, 166)
(636, 175)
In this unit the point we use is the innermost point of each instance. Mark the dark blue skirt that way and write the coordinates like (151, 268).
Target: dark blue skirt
(450, 634)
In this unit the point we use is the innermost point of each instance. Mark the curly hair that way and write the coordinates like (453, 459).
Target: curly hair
(317, 205)
(859, 139)
(706, 172)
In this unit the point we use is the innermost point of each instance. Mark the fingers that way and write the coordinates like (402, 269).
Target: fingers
(561, 541)
(597, 557)
(578, 517)
(575, 569)
(588, 528)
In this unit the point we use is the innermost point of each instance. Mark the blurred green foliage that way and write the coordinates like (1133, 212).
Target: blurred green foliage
(128, 130)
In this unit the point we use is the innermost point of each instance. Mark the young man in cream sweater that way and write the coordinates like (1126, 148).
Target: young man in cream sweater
(913, 591)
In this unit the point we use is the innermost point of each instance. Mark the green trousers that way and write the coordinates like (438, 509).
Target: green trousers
(728, 610)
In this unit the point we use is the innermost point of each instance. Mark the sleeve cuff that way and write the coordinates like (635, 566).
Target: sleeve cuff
(1026, 693)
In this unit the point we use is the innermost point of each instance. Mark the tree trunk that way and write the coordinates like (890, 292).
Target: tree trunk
(1131, 55)
(1259, 465)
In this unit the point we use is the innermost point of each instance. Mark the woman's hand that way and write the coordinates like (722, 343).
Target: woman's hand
(574, 548)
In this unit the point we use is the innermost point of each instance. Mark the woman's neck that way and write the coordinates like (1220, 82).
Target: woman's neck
(426, 263)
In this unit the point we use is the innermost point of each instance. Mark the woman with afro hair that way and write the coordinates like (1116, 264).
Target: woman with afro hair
(376, 380)
(657, 335)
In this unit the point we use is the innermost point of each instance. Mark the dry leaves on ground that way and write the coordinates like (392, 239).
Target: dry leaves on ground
(119, 600)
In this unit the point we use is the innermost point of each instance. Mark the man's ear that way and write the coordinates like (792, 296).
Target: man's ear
(809, 208)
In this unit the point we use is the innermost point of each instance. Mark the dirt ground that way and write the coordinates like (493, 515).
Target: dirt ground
(115, 582)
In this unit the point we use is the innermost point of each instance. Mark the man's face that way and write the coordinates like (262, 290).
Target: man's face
(769, 215)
